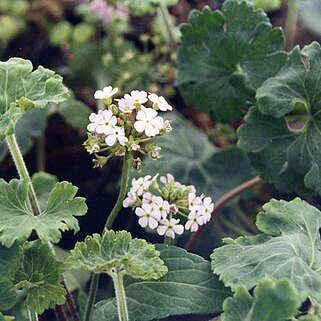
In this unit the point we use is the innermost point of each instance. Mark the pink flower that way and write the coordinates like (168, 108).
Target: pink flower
(126, 104)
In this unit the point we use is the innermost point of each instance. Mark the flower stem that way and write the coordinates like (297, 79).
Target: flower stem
(23, 172)
(120, 296)
(122, 192)
(112, 216)
(165, 19)
(290, 24)
(219, 204)
(167, 240)
(91, 296)
(32, 316)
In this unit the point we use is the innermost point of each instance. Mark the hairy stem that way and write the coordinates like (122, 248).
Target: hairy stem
(23, 172)
(290, 24)
(164, 17)
(219, 204)
(120, 296)
(111, 218)
(60, 313)
(70, 303)
(122, 192)
(33, 316)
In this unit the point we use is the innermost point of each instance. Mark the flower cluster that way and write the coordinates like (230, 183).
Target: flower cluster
(128, 124)
(162, 206)
(107, 12)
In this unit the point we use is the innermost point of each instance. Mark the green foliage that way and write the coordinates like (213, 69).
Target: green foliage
(9, 260)
(288, 157)
(40, 274)
(24, 90)
(188, 154)
(17, 222)
(188, 287)
(140, 8)
(273, 300)
(287, 248)
(75, 113)
(225, 56)
(43, 183)
(117, 251)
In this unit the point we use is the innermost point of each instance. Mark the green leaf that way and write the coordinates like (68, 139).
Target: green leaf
(9, 261)
(288, 157)
(75, 113)
(188, 287)
(43, 183)
(287, 248)
(24, 89)
(74, 279)
(29, 127)
(102, 254)
(41, 275)
(225, 56)
(189, 155)
(17, 222)
(273, 300)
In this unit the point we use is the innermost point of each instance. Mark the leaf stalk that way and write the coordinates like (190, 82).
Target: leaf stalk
(118, 280)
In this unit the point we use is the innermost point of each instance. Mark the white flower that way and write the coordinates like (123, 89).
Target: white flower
(147, 216)
(148, 121)
(206, 209)
(106, 93)
(141, 185)
(170, 227)
(139, 96)
(160, 102)
(130, 200)
(134, 147)
(160, 205)
(167, 126)
(147, 198)
(94, 149)
(194, 202)
(156, 152)
(101, 121)
(126, 104)
(169, 178)
(115, 133)
(194, 220)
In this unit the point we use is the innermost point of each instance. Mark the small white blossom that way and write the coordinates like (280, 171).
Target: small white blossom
(141, 185)
(170, 227)
(167, 126)
(160, 102)
(148, 216)
(169, 178)
(134, 147)
(126, 104)
(147, 121)
(130, 200)
(101, 122)
(207, 209)
(156, 152)
(115, 133)
(147, 198)
(194, 220)
(94, 149)
(106, 93)
(194, 202)
(119, 153)
(139, 96)
(160, 205)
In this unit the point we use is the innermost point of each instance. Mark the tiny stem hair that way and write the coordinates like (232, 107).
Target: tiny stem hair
(111, 218)
(118, 279)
